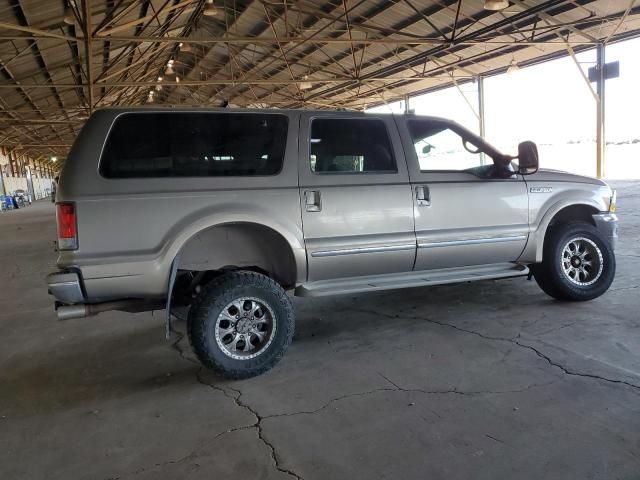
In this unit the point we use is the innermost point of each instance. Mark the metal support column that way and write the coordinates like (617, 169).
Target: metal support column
(88, 51)
(481, 105)
(406, 104)
(11, 167)
(3, 188)
(600, 89)
(481, 123)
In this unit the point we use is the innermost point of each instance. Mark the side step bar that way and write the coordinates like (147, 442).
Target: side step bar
(411, 279)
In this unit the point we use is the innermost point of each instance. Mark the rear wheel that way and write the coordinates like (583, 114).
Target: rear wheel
(241, 324)
(578, 263)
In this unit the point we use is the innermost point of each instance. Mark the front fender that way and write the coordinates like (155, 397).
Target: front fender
(543, 208)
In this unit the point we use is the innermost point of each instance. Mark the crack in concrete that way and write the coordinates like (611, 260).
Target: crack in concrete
(624, 288)
(396, 388)
(495, 439)
(236, 396)
(514, 341)
(176, 346)
(257, 424)
(555, 329)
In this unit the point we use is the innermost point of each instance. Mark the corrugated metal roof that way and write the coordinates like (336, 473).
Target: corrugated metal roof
(59, 60)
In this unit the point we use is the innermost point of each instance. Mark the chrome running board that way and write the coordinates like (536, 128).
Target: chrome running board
(409, 280)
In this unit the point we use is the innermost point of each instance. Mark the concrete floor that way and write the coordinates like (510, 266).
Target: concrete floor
(486, 381)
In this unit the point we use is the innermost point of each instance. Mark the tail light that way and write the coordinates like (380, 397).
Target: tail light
(67, 226)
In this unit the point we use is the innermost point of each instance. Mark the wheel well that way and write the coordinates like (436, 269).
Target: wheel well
(574, 212)
(235, 246)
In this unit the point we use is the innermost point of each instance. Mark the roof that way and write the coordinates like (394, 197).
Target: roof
(59, 60)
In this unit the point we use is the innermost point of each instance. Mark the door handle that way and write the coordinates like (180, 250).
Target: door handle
(312, 201)
(423, 196)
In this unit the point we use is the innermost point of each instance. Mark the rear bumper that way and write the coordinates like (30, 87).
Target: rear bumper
(66, 287)
(607, 224)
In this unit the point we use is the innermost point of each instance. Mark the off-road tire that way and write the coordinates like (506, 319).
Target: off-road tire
(550, 273)
(208, 305)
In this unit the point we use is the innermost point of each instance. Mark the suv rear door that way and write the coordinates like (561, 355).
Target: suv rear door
(355, 196)
(465, 214)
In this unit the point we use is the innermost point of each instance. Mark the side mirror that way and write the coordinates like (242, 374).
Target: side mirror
(527, 158)
(427, 148)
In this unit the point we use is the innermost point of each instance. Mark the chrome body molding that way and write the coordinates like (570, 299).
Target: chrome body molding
(472, 241)
(355, 251)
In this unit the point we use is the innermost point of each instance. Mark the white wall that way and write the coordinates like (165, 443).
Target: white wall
(41, 186)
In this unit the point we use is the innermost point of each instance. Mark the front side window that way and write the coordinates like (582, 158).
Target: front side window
(439, 148)
(184, 144)
(346, 145)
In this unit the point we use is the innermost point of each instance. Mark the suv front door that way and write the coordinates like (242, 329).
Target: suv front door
(356, 200)
(466, 212)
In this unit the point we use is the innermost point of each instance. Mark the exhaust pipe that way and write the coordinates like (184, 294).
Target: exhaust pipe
(72, 311)
(68, 312)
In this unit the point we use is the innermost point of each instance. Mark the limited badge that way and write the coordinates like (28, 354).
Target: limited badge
(540, 189)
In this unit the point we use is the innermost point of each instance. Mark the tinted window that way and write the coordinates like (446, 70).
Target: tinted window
(438, 147)
(345, 145)
(175, 144)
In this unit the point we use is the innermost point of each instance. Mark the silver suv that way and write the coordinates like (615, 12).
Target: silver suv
(225, 211)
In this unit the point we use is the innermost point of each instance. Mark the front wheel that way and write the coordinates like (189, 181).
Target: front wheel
(241, 324)
(578, 263)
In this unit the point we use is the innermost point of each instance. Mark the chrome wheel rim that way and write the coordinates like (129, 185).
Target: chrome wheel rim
(582, 261)
(245, 328)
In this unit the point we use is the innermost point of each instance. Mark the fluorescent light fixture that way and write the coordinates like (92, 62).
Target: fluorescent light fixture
(495, 4)
(210, 10)
(513, 68)
(69, 17)
(305, 85)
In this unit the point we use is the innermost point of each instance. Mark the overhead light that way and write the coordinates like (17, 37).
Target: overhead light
(177, 79)
(158, 87)
(513, 67)
(169, 70)
(69, 17)
(305, 85)
(159, 79)
(185, 47)
(495, 4)
(54, 159)
(210, 10)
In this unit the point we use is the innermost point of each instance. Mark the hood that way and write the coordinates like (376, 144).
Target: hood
(549, 175)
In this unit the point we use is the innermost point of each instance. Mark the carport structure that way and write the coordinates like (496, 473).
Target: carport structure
(60, 60)
(493, 381)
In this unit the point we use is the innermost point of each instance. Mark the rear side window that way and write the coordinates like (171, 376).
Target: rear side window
(176, 144)
(350, 145)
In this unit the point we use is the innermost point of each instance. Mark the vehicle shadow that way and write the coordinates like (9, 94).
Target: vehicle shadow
(110, 367)
(123, 363)
(500, 302)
